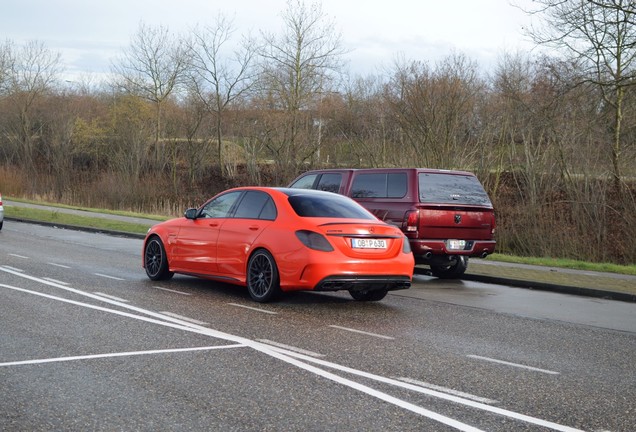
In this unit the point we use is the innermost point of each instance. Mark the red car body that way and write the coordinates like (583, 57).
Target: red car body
(275, 240)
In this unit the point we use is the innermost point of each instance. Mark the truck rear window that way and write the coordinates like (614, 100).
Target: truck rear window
(442, 188)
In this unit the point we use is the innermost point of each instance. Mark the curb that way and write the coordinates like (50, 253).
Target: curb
(79, 228)
(546, 286)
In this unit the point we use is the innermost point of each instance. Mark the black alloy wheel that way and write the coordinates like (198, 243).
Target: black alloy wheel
(156, 261)
(263, 282)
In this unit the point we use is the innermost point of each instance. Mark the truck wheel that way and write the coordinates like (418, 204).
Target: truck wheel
(453, 271)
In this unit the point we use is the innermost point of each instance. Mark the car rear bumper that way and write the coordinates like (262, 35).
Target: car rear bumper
(427, 248)
(332, 272)
(363, 283)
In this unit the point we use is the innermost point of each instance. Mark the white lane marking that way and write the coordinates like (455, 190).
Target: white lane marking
(172, 291)
(362, 332)
(110, 297)
(253, 308)
(18, 256)
(448, 390)
(290, 348)
(55, 280)
(14, 269)
(121, 354)
(264, 349)
(517, 365)
(439, 395)
(59, 265)
(108, 277)
(191, 320)
(291, 358)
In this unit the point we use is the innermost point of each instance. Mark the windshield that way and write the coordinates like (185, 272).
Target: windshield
(443, 188)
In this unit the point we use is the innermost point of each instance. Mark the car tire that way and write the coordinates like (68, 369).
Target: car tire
(263, 282)
(1, 225)
(156, 260)
(452, 271)
(375, 295)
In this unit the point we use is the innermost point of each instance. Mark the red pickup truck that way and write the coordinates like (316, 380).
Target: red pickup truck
(446, 215)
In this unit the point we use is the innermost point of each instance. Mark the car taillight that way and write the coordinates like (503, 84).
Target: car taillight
(406, 246)
(314, 240)
(411, 221)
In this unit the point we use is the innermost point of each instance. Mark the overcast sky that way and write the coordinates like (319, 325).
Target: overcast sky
(91, 33)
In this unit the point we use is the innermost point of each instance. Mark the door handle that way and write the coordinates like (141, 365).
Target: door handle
(213, 224)
(254, 228)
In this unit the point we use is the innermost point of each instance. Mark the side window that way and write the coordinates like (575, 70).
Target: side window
(269, 211)
(369, 186)
(256, 205)
(396, 187)
(379, 185)
(330, 182)
(220, 206)
(305, 182)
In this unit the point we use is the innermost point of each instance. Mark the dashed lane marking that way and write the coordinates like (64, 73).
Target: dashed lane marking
(108, 277)
(362, 332)
(517, 365)
(253, 308)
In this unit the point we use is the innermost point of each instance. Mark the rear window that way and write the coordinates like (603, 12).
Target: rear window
(452, 189)
(332, 206)
(379, 185)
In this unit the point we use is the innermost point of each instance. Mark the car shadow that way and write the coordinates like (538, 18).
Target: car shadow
(195, 285)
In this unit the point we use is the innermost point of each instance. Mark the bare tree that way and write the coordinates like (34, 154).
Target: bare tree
(6, 62)
(602, 35)
(435, 108)
(152, 67)
(299, 65)
(32, 70)
(219, 80)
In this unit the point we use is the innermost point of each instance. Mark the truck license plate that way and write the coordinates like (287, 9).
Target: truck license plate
(456, 244)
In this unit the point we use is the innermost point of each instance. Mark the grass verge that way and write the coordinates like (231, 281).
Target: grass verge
(566, 263)
(57, 217)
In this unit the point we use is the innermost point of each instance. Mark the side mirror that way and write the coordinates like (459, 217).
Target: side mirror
(191, 213)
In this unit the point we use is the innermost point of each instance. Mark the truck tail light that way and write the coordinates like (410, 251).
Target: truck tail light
(411, 221)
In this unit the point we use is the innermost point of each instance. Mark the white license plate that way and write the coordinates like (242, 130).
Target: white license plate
(456, 244)
(358, 243)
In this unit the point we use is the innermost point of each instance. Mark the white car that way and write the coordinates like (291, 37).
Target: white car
(1, 212)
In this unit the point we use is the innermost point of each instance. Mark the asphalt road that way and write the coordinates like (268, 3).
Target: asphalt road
(87, 342)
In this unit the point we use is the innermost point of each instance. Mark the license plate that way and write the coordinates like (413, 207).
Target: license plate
(456, 244)
(358, 243)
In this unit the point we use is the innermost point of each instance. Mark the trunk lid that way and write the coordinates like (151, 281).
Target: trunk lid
(363, 238)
